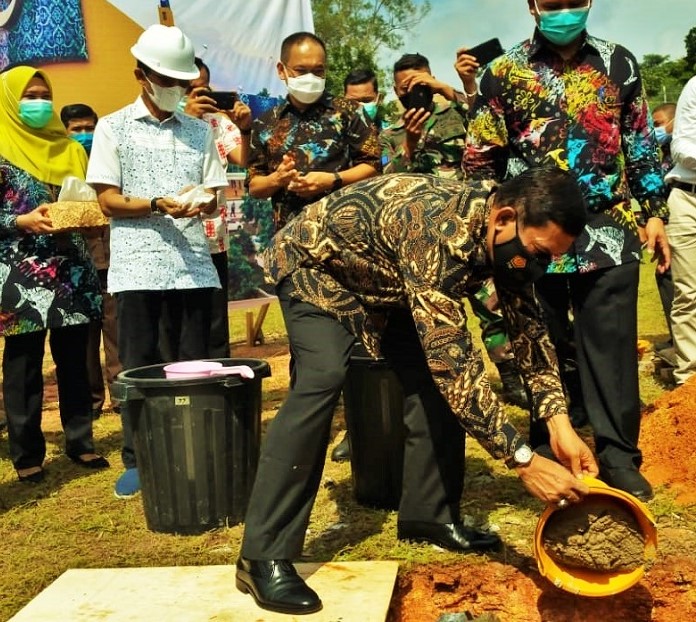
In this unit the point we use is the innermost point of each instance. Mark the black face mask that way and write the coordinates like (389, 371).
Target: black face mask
(514, 267)
(420, 96)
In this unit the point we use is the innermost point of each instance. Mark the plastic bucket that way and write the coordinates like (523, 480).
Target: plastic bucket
(592, 582)
(374, 411)
(196, 443)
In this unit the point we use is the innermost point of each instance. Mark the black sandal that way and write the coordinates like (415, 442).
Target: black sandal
(95, 463)
(35, 478)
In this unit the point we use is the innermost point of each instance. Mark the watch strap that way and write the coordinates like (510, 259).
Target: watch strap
(153, 205)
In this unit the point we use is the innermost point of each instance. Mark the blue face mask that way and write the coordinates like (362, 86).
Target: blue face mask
(36, 113)
(661, 136)
(562, 27)
(85, 139)
(370, 109)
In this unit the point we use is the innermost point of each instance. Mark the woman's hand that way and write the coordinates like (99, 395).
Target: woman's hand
(36, 221)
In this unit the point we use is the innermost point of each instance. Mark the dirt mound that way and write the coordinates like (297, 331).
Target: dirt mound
(666, 594)
(668, 438)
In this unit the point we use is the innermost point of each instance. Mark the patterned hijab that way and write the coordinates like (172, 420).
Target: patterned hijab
(47, 153)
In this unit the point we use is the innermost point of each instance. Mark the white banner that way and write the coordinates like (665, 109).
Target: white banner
(238, 39)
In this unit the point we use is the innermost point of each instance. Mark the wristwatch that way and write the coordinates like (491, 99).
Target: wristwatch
(521, 456)
(153, 205)
(337, 183)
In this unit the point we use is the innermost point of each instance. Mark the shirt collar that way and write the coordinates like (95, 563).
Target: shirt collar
(140, 111)
(326, 100)
(537, 43)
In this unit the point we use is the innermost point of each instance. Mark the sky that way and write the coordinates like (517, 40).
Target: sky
(643, 26)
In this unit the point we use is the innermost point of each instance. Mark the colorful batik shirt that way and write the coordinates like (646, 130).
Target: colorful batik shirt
(440, 147)
(588, 115)
(46, 280)
(417, 242)
(331, 135)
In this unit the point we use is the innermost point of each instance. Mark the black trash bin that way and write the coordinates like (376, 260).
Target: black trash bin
(196, 444)
(374, 411)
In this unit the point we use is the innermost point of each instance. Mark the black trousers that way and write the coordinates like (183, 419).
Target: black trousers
(23, 392)
(138, 319)
(604, 304)
(170, 323)
(219, 321)
(294, 449)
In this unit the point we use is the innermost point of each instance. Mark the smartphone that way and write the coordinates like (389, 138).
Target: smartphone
(420, 96)
(487, 51)
(224, 100)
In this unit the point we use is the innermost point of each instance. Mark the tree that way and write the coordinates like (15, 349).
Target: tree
(690, 43)
(663, 78)
(355, 30)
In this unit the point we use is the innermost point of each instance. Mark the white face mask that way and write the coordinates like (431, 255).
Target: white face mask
(166, 98)
(306, 88)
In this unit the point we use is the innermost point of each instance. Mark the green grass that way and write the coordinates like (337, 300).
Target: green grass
(74, 521)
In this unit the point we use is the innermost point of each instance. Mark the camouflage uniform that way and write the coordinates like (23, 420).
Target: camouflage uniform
(439, 152)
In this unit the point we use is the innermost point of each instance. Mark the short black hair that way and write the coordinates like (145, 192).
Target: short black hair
(295, 39)
(360, 76)
(77, 111)
(412, 61)
(542, 194)
(200, 63)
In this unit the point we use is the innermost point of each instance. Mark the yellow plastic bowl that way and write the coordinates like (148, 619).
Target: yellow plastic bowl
(593, 582)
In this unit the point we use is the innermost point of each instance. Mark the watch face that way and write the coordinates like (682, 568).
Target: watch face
(523, 455)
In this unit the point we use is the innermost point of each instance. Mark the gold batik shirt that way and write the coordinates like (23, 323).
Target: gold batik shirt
(418, 242)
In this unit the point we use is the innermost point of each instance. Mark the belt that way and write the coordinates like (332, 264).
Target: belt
(682, 185)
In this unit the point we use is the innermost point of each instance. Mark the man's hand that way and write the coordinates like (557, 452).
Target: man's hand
(428, 79)
(466, 67)
(657, 244)
(414, 120)
(286, 172)
(569, 448)
(240, 115)
(550, 482)
(311, 184)
(36, 221)
(173, 208)
(198, 103)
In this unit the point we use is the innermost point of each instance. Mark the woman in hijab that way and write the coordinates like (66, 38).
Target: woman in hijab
(47, 281)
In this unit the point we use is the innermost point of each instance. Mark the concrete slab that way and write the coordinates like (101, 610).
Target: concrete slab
(350, 591)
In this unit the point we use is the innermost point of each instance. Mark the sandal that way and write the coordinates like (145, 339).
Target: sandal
(34, 477)
(93, 463)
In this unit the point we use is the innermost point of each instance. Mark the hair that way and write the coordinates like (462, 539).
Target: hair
(295, 39)
(201, 65)
(360, 76)
(77, 111)
(542, 194)
(669, 108)
(411, 61)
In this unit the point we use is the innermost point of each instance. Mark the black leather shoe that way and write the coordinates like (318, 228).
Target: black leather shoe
(276, 586)
(451, 536)
(341, 453)
(627, 479)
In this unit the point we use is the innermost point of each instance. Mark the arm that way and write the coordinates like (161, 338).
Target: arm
(114, 203)
(487, 147)
(683, 146)
(240, 116)
(466, 67)
(645, 178)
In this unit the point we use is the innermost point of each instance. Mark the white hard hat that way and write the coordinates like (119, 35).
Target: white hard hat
(168, 51)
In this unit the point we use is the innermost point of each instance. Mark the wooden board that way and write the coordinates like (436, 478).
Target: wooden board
(350, 591)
